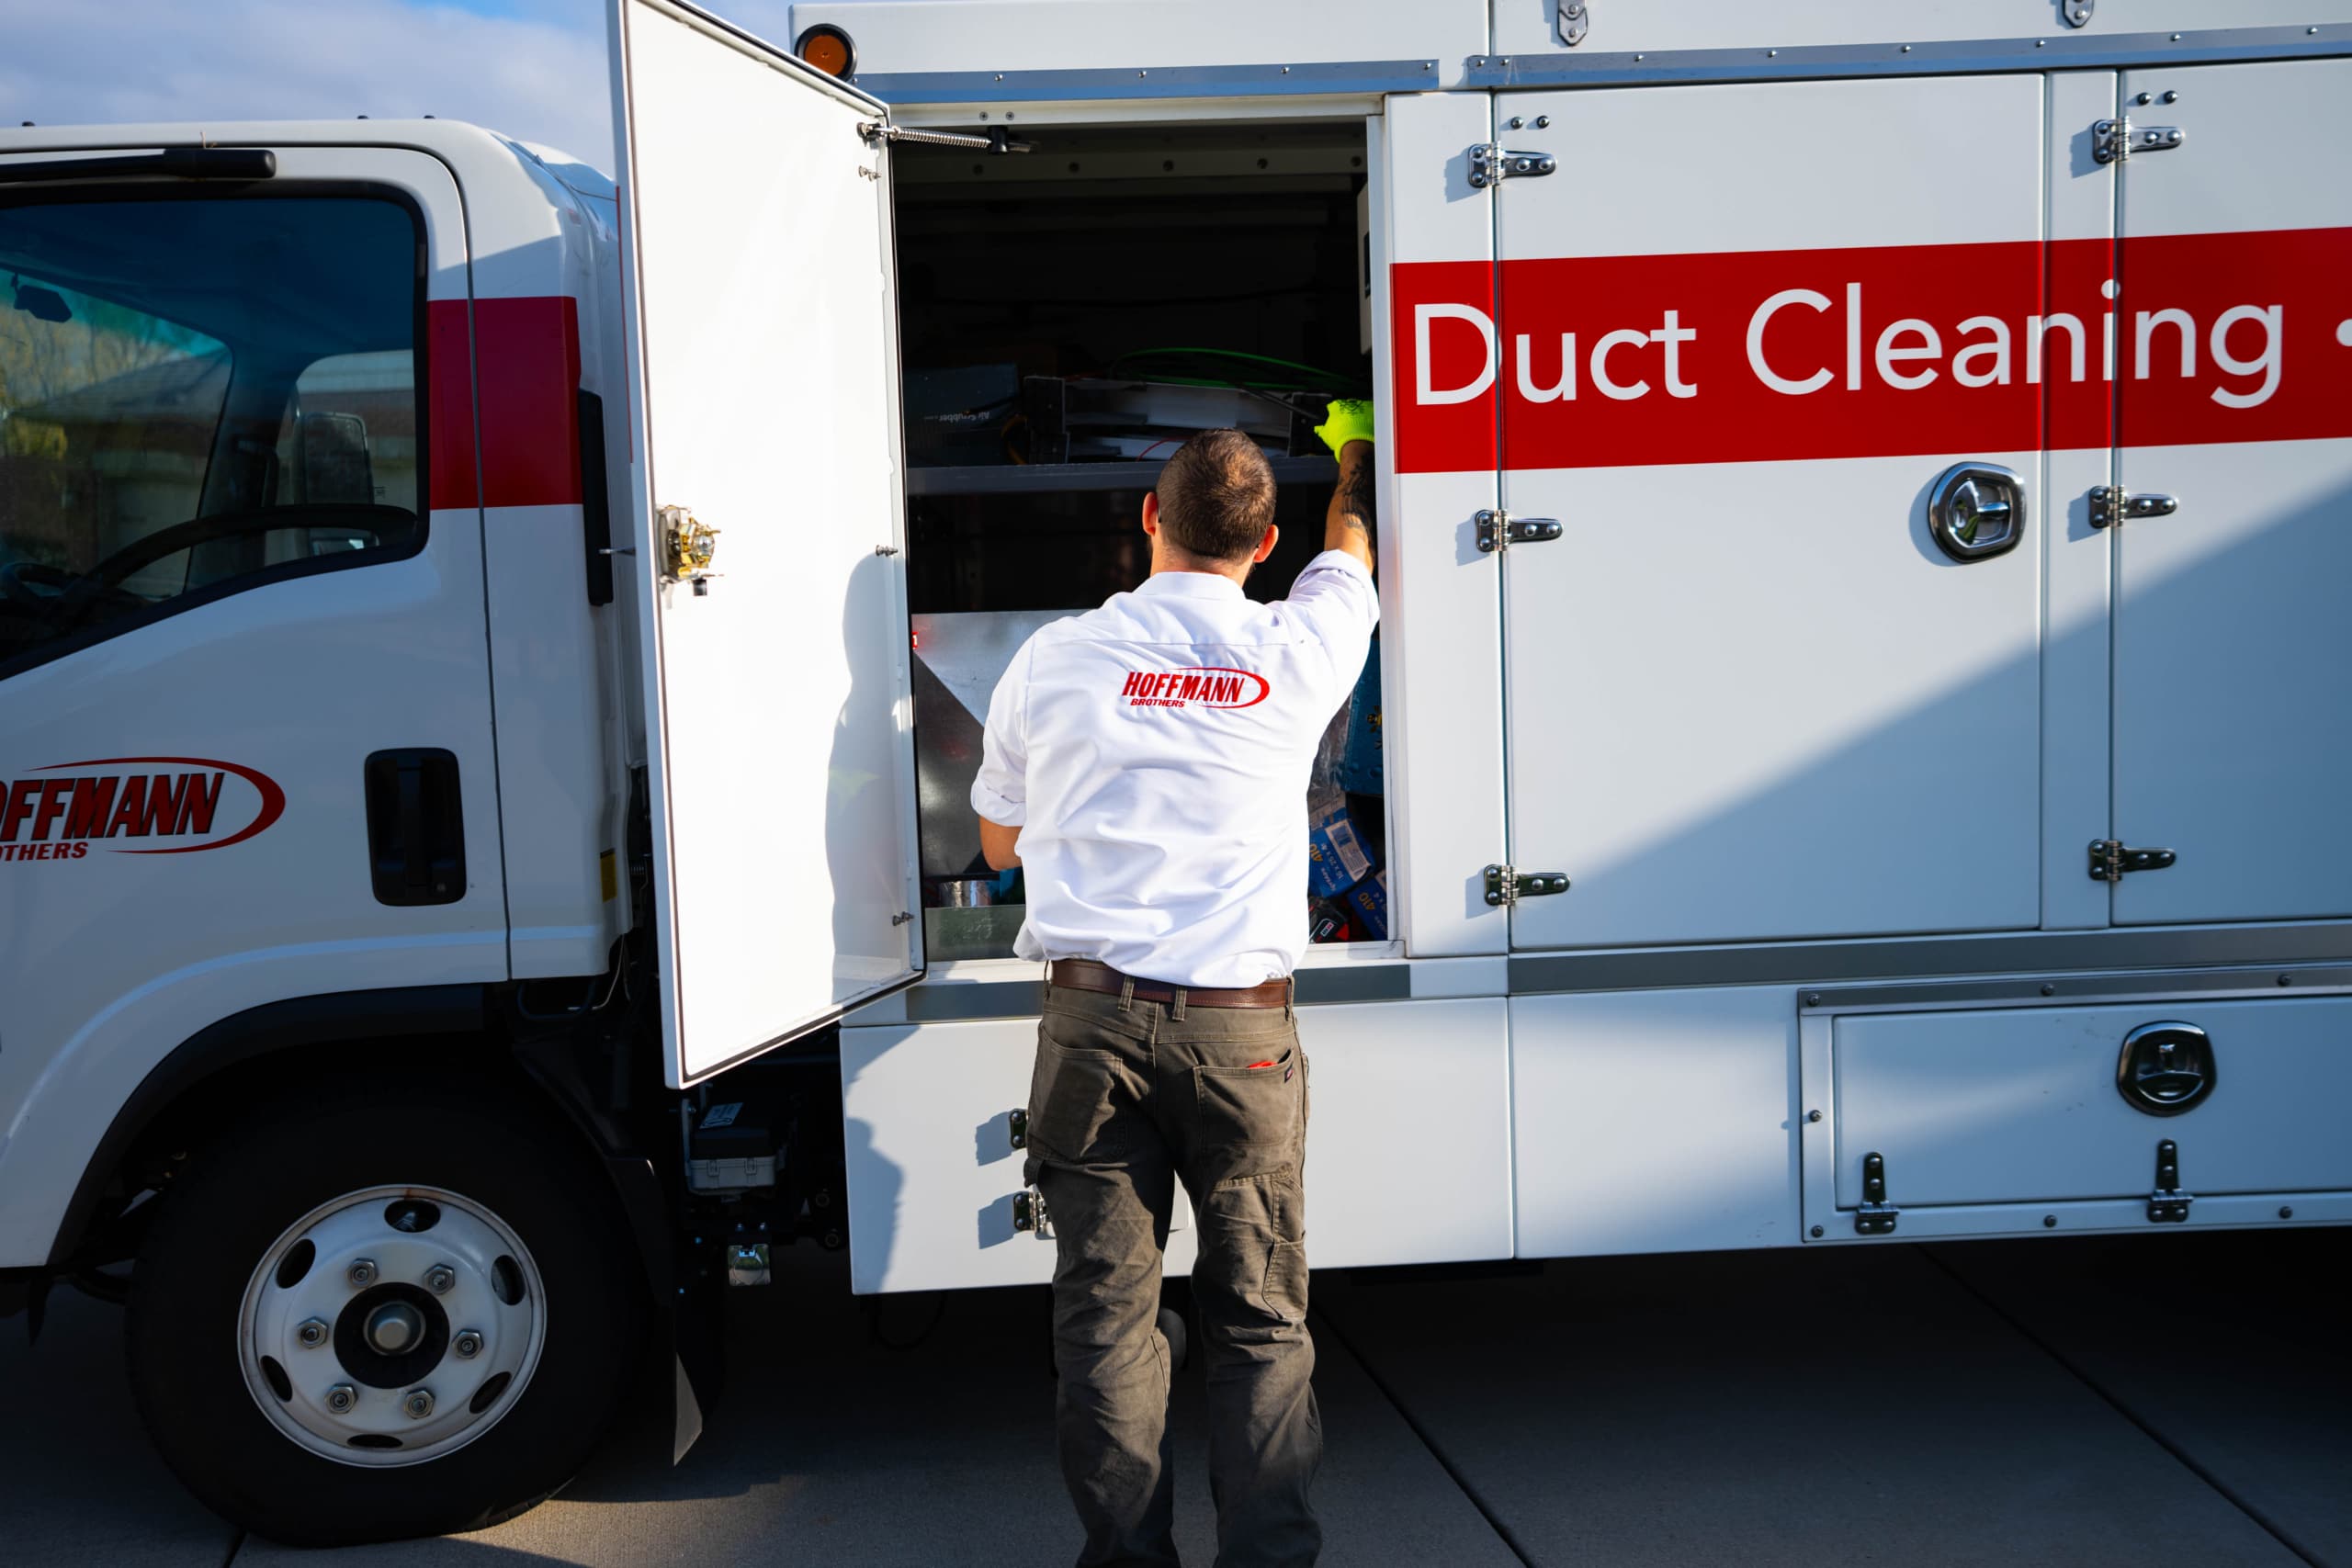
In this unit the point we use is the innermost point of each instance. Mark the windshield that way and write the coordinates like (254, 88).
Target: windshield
(197, 395)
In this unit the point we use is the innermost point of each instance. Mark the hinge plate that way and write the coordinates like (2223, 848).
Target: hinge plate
(2078, 12)
(2114, 141)
(1876, 1216)
(1491, 163)
(1498, 531)
(2111, 859)
(1576, 20)
(2168, 1204)
(1029, 1213)
(2112, 504)
(1506, 885)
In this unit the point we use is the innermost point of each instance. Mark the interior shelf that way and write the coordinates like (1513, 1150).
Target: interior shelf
(1011, 479)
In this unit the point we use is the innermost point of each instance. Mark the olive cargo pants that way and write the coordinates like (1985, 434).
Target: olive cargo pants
(1127, 1097)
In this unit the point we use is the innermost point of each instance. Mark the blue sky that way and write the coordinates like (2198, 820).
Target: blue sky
(534, 69)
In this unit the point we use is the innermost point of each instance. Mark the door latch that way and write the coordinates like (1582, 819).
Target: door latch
(1498, 531)
(2168, 1204)
(1876, 1216)
(416, 826)
(688, 547)
(2166, 1068)
(1976, 511)
(1491, 163)
(1506, 886)
(2113, 140)
(2112, 504)
(2111, 858)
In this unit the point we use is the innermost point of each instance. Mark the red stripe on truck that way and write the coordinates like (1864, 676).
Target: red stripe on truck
(1877, 352)
(524, 355)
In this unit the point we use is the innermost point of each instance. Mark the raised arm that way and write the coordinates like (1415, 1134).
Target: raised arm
(1348, 522)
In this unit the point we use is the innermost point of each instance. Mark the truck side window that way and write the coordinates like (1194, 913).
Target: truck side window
(198, 394)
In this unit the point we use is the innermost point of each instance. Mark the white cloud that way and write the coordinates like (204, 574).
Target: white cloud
(538, 76)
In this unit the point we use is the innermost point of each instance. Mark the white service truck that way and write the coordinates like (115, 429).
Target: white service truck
(488, 659)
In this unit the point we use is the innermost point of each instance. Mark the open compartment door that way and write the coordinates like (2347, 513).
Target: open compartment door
(761, 321)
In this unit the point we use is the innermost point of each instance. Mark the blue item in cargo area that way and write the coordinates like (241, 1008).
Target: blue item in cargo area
(1335, 856)
(1360, 770)
(1367, 905)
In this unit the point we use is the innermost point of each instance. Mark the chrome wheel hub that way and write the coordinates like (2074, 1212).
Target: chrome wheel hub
(391, 1325)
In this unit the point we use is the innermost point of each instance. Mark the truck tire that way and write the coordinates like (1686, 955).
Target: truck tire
(369, 1316)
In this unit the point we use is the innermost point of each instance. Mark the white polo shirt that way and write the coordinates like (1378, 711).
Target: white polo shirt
(1154, 754)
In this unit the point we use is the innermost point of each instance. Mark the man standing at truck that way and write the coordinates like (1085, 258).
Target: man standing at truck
(1147, 763)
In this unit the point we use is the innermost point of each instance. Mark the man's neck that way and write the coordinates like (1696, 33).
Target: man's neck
(1164, 560)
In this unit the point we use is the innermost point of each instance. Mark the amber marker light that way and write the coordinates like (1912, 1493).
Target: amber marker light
(827, 48)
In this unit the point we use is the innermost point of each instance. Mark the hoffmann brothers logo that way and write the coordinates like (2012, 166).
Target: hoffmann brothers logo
(110, 801)
(1210, 686)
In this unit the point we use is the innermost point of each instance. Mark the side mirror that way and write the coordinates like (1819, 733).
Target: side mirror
(42, 304)
(334, 463)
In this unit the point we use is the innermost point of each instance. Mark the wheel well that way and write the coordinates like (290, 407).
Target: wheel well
(284, 1051)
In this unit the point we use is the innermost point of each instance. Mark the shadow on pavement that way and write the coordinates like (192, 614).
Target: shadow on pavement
(2174, 1399)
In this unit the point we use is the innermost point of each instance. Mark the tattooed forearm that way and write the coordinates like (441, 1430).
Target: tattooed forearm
(1349, 524)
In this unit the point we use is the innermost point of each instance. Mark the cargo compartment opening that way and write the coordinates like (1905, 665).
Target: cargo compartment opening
(1069, 316)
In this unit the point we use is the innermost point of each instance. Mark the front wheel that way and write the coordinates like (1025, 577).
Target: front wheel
(380, 1317)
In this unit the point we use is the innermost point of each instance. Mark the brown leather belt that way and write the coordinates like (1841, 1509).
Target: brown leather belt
(1086, 975)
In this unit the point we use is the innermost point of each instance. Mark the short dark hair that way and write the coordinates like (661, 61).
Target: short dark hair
(1216, 496)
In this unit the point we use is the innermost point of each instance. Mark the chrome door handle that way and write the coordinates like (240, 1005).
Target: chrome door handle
(1976, 511)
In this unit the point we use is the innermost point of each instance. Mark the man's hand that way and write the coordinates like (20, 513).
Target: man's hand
(1000, 845)
(1346, 420)
(1348, 524)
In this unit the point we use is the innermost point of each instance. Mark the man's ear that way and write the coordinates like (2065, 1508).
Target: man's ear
(1152, 512)
(1266, 545)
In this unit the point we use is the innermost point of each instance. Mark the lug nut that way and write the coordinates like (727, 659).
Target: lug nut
(418, 1405)
(440, 1279)
(311, 1334)
(363, 1273)
(342, 1397)
(467, 1344)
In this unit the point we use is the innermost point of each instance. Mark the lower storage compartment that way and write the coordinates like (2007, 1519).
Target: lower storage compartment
(2043, 1118)
(1409, 1146)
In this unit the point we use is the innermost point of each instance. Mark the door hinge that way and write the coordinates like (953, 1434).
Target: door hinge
(2078, 12)
(2112, 504)
(1506, 885)
(1876, 1216)
(1029, 1213)
(1498, 531)
(1016, 1126)
(2111, 858)
(1576, 20)
(2113, 140)
(1491, 163)
(2168, 1204)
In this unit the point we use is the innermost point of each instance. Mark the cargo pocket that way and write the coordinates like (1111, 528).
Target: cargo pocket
(1285, 1287)
(1069, 1097)
(1251, 1276)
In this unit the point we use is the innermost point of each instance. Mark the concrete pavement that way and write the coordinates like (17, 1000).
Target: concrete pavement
(2179, 1399)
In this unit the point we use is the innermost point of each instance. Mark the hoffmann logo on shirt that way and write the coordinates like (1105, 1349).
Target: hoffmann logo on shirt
(1210, 686)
